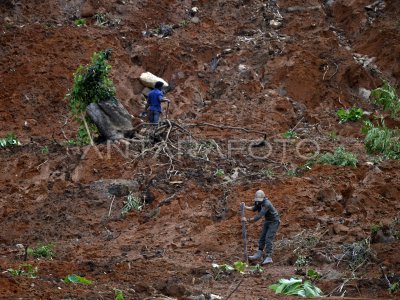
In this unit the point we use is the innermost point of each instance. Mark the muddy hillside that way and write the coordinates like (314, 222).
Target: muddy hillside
(256, 87)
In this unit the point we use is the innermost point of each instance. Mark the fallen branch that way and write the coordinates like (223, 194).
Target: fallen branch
(227, 127)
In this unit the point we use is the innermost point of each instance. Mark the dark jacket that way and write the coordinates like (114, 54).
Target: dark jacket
(265, 208)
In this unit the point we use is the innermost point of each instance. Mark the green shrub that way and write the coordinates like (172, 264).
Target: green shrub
(9, 140)
(352, 114)
(91, 85)
(381, 139)
(386, 96)
(340, 158)
(42, 251)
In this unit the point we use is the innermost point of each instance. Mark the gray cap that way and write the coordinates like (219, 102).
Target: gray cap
(260, 195)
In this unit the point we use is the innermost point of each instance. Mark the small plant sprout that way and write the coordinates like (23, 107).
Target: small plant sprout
(219, 173)
(118, 294)
(45, 150)
(297, 287)
(80, 22)
(132, 203)
(290, 134)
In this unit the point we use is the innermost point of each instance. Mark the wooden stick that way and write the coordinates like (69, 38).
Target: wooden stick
(244, 233)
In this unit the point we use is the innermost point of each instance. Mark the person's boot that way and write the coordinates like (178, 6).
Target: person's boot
(256, 256)
(267, 260)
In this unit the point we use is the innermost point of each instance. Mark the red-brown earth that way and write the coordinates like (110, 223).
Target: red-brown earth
(267, 78)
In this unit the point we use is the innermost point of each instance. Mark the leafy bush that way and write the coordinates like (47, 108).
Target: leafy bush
(386, 96)
(340, 158)
(9, 140)
(77, 279)
(26, 270)
(42, 251)
(132, 202)
(91, 85)
(381, 139)
(352, 114)
(297, 287)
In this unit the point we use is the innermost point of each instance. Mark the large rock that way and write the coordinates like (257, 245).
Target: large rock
(149, 80)
(112, 119)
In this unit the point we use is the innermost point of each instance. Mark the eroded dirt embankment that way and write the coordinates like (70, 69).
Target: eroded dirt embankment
(252, 64)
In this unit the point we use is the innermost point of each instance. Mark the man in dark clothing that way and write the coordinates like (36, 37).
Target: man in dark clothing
(264, 207)
(154, 99)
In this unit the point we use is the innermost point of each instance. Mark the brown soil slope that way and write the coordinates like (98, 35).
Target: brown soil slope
(254, 64)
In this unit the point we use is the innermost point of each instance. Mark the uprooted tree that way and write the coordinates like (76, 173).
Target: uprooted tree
(94, 105)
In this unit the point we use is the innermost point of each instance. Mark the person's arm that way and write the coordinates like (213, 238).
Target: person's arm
(261, 214)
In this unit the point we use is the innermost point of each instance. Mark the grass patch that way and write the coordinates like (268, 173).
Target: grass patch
(382, 140)
(386, 97)
(132, 203)
(42, 251)
(80, 22)
(339, 158)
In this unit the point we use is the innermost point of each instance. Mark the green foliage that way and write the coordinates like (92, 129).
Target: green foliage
(340, 158)
(352, 114)
(240, 266)
(290, 134)
(296, 287)
(219, 173)
(91, 85)
(77, 279)
(394, 287)
(387, 97)
(26, 270)
(119, 295)
(301, 261)
(224, 267)
(131, 203)
(375, 228)
(45, 150)
(9, 140)
(268, 173)
(381, 139)
(312, 274)
(42, 251)
(80, 22)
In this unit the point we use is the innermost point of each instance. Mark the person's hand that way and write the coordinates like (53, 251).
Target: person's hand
(244, 219)
(167, 100)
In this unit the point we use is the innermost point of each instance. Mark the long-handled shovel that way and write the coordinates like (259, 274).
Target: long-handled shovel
(244, 233)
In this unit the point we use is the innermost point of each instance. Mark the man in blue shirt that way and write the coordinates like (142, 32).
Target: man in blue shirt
(264, 207)
(154, 99)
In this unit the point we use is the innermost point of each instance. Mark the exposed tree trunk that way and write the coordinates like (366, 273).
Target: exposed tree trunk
(112, 119)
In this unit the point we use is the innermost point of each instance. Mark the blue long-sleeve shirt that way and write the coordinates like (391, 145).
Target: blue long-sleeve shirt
(154, 100)
(265, 208)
